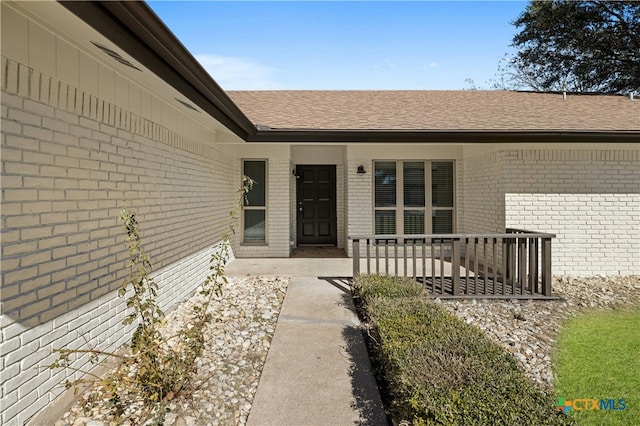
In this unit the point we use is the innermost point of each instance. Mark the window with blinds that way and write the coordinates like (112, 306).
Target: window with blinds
(442, 197)
(385, 214)
(414, 197)
(254, 210)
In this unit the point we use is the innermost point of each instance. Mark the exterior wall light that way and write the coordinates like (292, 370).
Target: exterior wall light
(361, 170)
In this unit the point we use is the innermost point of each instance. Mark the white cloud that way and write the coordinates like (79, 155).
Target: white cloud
(387, 64)
(233, 73)
(430, 66)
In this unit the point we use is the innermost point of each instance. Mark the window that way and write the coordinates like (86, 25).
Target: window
(414, 196)
(442, 205)
(385, 213)
(254, 211)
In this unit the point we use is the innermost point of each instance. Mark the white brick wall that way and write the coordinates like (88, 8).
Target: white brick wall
(481, 194)
(70, 162)
(359, 195)
(589, 198)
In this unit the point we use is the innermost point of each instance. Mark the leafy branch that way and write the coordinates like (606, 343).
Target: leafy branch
(158, 367)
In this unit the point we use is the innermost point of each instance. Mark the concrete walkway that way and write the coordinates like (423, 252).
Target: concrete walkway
(317, 371)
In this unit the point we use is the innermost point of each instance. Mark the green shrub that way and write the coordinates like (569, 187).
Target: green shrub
(439, 370)
(367, 287)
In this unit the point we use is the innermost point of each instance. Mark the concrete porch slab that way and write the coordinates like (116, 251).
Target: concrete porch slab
(291, 267)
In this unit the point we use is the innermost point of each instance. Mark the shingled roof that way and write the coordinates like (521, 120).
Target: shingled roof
(438, 110)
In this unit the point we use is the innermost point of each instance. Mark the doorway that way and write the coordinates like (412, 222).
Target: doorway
(316, 205)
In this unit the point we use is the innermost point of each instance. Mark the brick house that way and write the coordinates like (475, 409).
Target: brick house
(102, 109)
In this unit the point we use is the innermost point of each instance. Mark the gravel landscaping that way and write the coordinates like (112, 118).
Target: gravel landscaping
(245, 317)
(527, 328)
(236, 347)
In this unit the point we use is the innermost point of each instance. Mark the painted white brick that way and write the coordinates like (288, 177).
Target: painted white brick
(61, 203)
(588, 207)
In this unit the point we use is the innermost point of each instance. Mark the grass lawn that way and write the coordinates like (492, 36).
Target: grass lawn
(598, 357)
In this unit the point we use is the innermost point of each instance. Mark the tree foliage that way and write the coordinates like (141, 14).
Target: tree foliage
(581, 46)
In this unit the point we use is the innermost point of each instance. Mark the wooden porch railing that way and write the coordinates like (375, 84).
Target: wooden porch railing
(515, 264)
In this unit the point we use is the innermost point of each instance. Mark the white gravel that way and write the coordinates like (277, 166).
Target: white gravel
(236, 347)
(528, 328)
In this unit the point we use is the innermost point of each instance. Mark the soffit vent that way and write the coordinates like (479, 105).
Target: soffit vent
(115, 55)
(188, 105)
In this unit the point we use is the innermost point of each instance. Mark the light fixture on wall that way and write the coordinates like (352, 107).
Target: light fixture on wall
(361, 170)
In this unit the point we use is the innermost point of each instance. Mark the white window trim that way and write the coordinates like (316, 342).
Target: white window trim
(428, 208)
(249, 207)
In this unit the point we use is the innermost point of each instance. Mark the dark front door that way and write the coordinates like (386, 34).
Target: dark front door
(316, 204)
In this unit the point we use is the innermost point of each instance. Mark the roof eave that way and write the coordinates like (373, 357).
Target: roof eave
(440, 136)
(137, 30)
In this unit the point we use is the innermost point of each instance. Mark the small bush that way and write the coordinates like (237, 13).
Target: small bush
(368, 287)
(158, 367)
(439, 370)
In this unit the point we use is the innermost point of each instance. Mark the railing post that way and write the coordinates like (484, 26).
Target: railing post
(505, 262)
(533, 266)
(467, 254)
(356, 257)
(546, 266)
(494, 254)
(522, 264)
(404, 252)
(512, 264)
(476, 269)
(433, 265)
(424, 262)
(413, 256)
(368, 256)
(442, 264)
(386, 257)
(395, 257)
(455, 267)
(485, 264)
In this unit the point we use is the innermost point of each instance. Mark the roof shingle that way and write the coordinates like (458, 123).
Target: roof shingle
(438, 110)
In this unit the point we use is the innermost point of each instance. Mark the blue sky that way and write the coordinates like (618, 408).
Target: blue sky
(423, 45)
